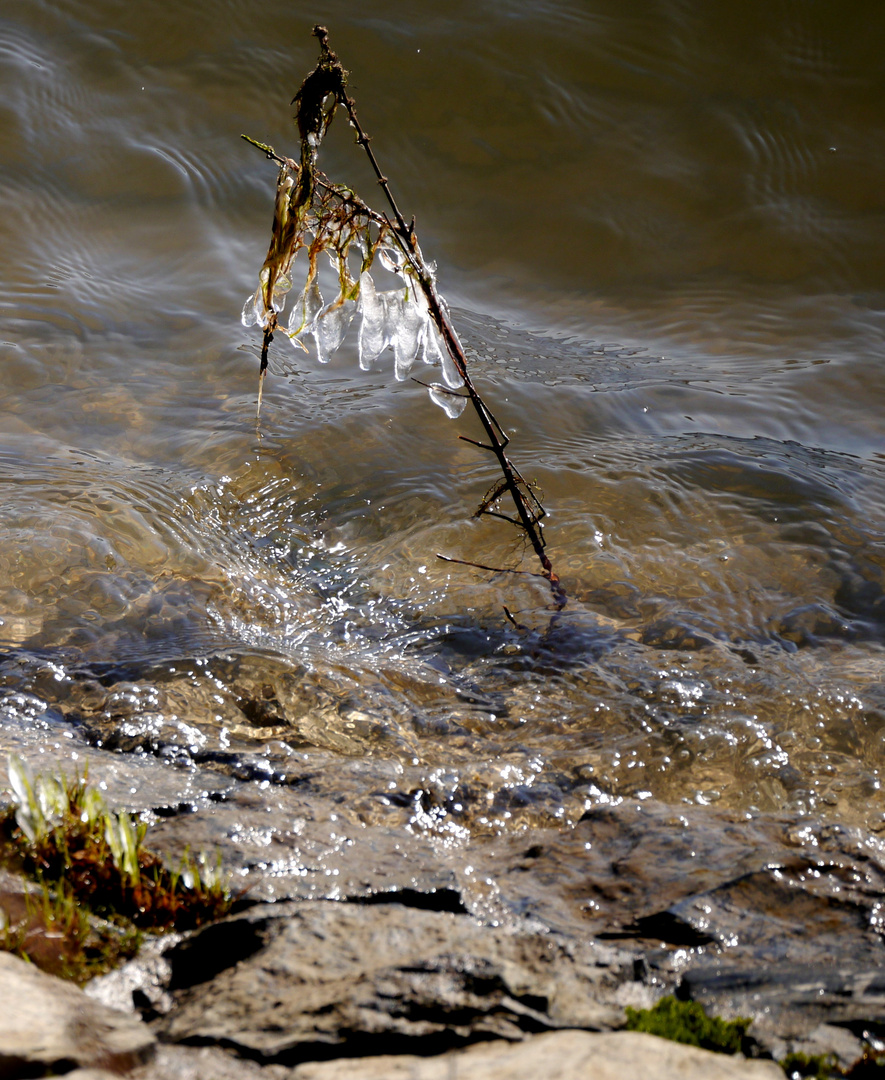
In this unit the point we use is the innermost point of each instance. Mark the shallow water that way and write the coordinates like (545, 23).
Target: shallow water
(662, 236)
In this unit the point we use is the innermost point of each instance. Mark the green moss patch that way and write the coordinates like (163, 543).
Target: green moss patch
(686, 1022)
(97, 886)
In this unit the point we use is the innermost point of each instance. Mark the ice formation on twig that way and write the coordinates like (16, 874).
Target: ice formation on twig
(315, 215)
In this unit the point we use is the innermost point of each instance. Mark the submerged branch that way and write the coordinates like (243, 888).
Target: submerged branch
(492, 569)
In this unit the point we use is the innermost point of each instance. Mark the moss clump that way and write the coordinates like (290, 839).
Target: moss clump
(49, 927)
(686, 1022)
(799, 1066)
(98, 886)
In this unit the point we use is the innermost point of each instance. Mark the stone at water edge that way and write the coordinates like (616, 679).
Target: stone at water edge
(48, 1024)
(278, 981)
(567, 1055)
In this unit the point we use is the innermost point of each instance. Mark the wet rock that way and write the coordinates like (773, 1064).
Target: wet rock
(140, 984)
(567, 1055)
(682, 630)
(627, 861)
(324, 977)
(797, 1007)
(138, 783)
(691, 892)
(824, 1041)
(22, 908)
(683, 889)
(776, 915)
(15, 896)
(756, 917)
(646, 872)
(47, 1024)
(297, 842)
(811, 624)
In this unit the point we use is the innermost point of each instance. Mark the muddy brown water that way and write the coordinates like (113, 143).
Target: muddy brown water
(660, 228)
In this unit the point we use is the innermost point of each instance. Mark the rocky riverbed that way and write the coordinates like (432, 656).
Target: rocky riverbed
(660, 231)
(372, 927)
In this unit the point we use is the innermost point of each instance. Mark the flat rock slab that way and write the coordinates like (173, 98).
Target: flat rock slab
(201, 1063)
(567, 1055)
(47, 1024)
(92, 1074)
(299, 981)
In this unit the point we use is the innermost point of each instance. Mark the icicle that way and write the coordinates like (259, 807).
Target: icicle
(281, 286)
(435, 352)
(375, 329)
(408, 322)
(451, 375)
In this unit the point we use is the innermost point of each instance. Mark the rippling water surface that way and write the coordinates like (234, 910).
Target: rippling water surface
(662, 232)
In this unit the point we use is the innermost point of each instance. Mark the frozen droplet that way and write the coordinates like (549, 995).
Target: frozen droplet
(451, 404)
(432, 353)
(375, 329)
(391, 259)
(250, 309)
(451, 375)
(255, 310)
(263, 297)
(330, 329)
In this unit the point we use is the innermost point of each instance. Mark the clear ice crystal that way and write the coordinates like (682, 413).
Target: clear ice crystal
(250, 310)
(281, 287)
(399, 319)
(450, 373)
(391, 259)
(451, 404)
(254, 310)
(330, 329)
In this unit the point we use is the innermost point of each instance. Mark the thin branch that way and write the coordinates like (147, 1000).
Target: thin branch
(492, 569)
(476, 442)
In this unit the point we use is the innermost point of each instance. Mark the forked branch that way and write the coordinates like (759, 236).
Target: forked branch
(314, 214)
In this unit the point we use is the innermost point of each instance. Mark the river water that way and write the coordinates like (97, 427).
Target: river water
(661, 230)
